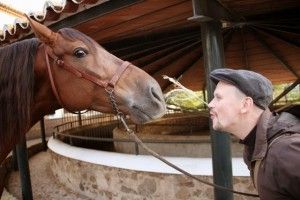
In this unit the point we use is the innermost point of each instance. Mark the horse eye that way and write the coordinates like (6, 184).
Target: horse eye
(80, 52)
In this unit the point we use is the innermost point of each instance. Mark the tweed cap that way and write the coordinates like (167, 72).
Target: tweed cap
(252, 84)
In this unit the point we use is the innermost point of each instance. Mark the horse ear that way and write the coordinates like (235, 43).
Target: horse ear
(43, 32)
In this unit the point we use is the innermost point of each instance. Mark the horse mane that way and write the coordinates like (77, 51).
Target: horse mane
(17, 86)
(16, 90)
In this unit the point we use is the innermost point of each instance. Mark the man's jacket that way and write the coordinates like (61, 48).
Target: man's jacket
(278, 175)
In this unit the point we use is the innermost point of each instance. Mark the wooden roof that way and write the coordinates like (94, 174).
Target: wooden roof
(261, 35)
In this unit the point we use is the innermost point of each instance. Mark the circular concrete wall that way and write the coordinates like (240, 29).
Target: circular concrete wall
(197, 146)
(107, 175)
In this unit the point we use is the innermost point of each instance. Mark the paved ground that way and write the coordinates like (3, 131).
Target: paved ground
(7, 196)
(44, 184)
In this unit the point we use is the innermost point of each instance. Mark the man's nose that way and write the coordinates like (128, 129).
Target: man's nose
(210, 104)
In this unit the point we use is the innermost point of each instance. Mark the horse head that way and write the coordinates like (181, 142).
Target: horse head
(136, 92)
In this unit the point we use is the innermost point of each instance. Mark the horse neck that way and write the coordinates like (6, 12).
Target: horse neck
(44, 101)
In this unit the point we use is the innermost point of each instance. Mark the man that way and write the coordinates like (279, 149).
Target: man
(271, 141)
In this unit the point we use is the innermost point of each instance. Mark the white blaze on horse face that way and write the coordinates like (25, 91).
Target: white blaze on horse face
(225, 107)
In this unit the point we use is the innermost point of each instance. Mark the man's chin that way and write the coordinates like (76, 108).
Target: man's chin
(216, 127)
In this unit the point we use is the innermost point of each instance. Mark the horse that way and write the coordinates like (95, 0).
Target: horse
(68, 69)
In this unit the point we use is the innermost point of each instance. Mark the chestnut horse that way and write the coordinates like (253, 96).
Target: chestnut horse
(67, 69)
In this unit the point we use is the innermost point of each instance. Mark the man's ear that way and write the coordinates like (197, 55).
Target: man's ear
(247, 104)
(43, 33)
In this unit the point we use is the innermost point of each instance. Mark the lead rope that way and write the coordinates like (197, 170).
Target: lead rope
(133, 136)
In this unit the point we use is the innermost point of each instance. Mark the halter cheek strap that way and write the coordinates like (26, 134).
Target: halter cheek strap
(80, 73)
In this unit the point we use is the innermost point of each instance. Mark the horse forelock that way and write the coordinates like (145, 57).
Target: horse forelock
(73, 35)
(16, 90)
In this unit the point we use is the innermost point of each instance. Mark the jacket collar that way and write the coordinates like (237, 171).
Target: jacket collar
(261, 142)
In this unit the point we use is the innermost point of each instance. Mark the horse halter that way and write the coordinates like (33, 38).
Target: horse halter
(107, 85)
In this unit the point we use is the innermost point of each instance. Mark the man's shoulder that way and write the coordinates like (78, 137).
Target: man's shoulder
(284, 122)
(288, 119)
(292, 111)
(280, 164)
(284, 149)
(291, 117)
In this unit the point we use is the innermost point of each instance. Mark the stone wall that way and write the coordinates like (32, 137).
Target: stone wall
(103, 182)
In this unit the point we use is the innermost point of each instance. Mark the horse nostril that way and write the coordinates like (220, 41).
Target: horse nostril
(155, 95)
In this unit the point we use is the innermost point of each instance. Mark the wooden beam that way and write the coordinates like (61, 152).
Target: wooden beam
(280, 38)
(278, 57)
(176, 21)
(177, 66)
(165, 61)
(120, 16)
(245, 48)
(144, 43)
(153, 35)
(285, 92)
(141, 21)
(227, 35)
(272, 29)
(164, 52)
(168, 26)
(93, 13)
(152, 49)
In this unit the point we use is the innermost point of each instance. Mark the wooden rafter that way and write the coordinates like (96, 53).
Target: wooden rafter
(283, 39)
(245, 48)
(285, 92)
(278, 57)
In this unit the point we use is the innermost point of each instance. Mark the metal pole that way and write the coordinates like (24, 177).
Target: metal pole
(79, 119)
(213, 53)
(43, 134)
(204, 97)
(24, 169)
(221, 150)
(14, 159)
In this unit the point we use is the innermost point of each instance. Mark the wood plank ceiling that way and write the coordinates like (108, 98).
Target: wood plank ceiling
(155, 35)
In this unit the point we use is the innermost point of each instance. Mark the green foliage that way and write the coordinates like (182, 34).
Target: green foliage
(292, 96)
(181, 99)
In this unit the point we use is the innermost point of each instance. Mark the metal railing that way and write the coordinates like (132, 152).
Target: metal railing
(69, 132)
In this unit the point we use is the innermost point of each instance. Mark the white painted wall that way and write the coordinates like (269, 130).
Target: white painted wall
(196, 166)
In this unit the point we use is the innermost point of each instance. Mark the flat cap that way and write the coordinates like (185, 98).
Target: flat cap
(252, 84)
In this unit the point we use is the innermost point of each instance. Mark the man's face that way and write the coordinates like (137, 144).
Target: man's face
(225, 107)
